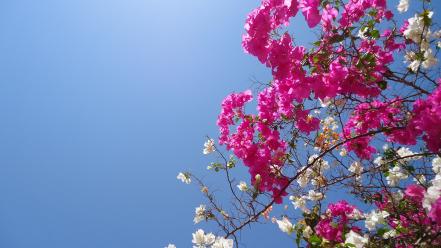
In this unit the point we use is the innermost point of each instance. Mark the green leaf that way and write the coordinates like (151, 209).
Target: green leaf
(315, 240)
(375, 34)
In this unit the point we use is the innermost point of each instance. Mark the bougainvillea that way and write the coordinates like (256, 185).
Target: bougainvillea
(341, 114)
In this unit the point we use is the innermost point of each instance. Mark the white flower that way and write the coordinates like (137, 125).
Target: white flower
(395, 175)
(184, 177)
(242, 186)
(330, 122)
(403, 6)
(221, 242)
(199, 214)
(304, 177)
(433, 193)
(356, 239)
(438, 44)
(356, 168)
(299, 202)
(343, 152)
(356, 214)
(362, 33)
(320, 165)
(201, 240)
(436, 165)
(429, 59)
(285, 225)
(414, 65)
(170, 246)
(379, 161)
(405, 152)
(415, 29)
(315, 196)
(390, 234)
(374, 218)
(397, 196)
(307, 232)
(209, 146)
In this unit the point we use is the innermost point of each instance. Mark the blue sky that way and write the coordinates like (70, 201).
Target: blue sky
(102, 103)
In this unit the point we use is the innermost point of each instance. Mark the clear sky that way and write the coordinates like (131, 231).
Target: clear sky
(102, 103)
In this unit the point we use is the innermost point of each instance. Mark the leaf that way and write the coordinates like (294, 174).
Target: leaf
(382, 85)
(375, 34)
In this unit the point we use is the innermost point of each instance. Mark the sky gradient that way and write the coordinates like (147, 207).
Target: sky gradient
(102, 103)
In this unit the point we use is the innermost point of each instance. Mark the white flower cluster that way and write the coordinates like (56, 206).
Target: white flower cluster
(357, 169)
(299, 203)
(285, 225)
(403, 6)
(209, 147)
(313, 173)
(242, 186)
(374, 218)
(356, 239)
(434, 191)
(418, 32)
(200, 214)
(202, 240)
(184, 177)
(395, 175)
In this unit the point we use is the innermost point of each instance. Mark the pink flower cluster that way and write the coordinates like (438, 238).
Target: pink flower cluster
(330, 70)
(416, 194)
(369, 117)
(334, 226)
(425, 120)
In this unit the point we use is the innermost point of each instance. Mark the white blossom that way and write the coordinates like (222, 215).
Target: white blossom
(199, 214)
(184, 177)
(432, 193)
(429, 59)
(414, 65)
(390, 234)
(170, 246)
(343, 152)
(202, 240)
(405, 152)
(299, 203)
(285, 225)
(221, 242)
(379, 161)
(397, 196)
(362, 33)
(304, 177)
(374, 218)
(307, 232)
(436, 165)
(414, 30)
(209, 146)
(356, 239)
(356, 214)
(356, 168)
(395, 175)
(403, 6)
(320, 165)
(242, 186)
(315, 196)
(330, 123)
